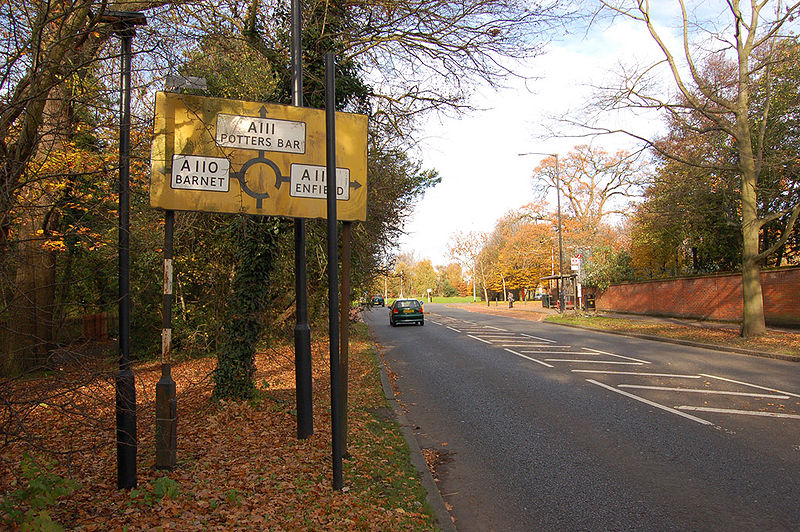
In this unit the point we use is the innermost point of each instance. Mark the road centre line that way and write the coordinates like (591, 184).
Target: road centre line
(743, 412)
(613, 355)
(641, 373)
(751, 385)
(584, 361)
(480, 340)
(695, 390)
(529, 358)
(452, 329)
(651, 403)
(538, 338)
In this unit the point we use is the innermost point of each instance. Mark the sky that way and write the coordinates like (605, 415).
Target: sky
(483, 177)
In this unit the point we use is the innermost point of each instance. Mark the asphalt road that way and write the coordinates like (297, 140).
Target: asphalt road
(542, 427)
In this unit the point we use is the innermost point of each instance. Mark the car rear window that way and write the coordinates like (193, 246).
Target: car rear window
(408, 304)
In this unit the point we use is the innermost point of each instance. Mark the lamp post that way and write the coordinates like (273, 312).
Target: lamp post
(123, 24)
(558, 207)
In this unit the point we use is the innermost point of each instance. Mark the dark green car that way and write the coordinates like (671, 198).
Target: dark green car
(406, 311)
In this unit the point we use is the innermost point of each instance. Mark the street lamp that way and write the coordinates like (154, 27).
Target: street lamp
(123, 24)
(558, 207)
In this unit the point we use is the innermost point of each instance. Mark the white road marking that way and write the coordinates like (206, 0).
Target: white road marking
(456, 330)
(651, 403)
(538, 345)
(695, 390)
(529, 358)
(584, 361)
(478, 339)
(751, 385)
(613, 355)
(495, 328)
(743, 412)
(642, 373)
(538, 338)
(561, 352)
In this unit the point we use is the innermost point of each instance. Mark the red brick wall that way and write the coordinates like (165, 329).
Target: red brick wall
(714, 297)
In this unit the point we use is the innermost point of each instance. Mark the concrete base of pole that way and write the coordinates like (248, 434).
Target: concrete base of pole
(166, 420)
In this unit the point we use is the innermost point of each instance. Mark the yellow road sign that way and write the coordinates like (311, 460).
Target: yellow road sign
(218, 155)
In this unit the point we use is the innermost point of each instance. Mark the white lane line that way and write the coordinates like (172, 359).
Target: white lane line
(618, 356)
(548, 346)
(651, 403)
(641, 373)
(478, 339)
(594, 361)
(560, 352)
(696, 390)
(751, 385)
(529, 358)
(539, 338)
(495, 328)
(452, 329)
(538, 345)
(743, 412)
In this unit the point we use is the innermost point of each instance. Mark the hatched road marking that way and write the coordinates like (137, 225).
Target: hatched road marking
(651, 403)
(526, 344)
(742, 412)
(695, 390)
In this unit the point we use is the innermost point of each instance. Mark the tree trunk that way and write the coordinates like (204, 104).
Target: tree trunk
(752, 300)
(32, 307)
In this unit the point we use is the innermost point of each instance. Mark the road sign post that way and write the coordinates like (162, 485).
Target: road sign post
(333, 271)
(302, 331)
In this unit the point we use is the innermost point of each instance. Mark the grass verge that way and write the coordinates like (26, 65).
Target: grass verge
(774, 341)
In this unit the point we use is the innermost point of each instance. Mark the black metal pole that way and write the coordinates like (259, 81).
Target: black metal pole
(126, 387)
(302, 331)
(560, 252)
(344, 324)
(166, 397)
(333, 270)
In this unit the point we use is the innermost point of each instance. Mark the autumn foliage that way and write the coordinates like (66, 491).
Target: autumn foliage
(240, 465)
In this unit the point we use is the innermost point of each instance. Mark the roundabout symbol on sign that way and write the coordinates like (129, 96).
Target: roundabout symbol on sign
(241, 175)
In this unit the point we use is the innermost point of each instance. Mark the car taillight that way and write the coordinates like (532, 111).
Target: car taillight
(394, 311)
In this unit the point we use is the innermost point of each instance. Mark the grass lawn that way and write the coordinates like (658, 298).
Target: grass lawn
(784, 342)
(240, 465)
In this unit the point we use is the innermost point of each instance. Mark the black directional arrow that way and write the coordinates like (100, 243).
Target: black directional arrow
(262, 112)
(355, 184)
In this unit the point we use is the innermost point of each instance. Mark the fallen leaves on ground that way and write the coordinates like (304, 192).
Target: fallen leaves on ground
(773, 341)
(240, 465)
